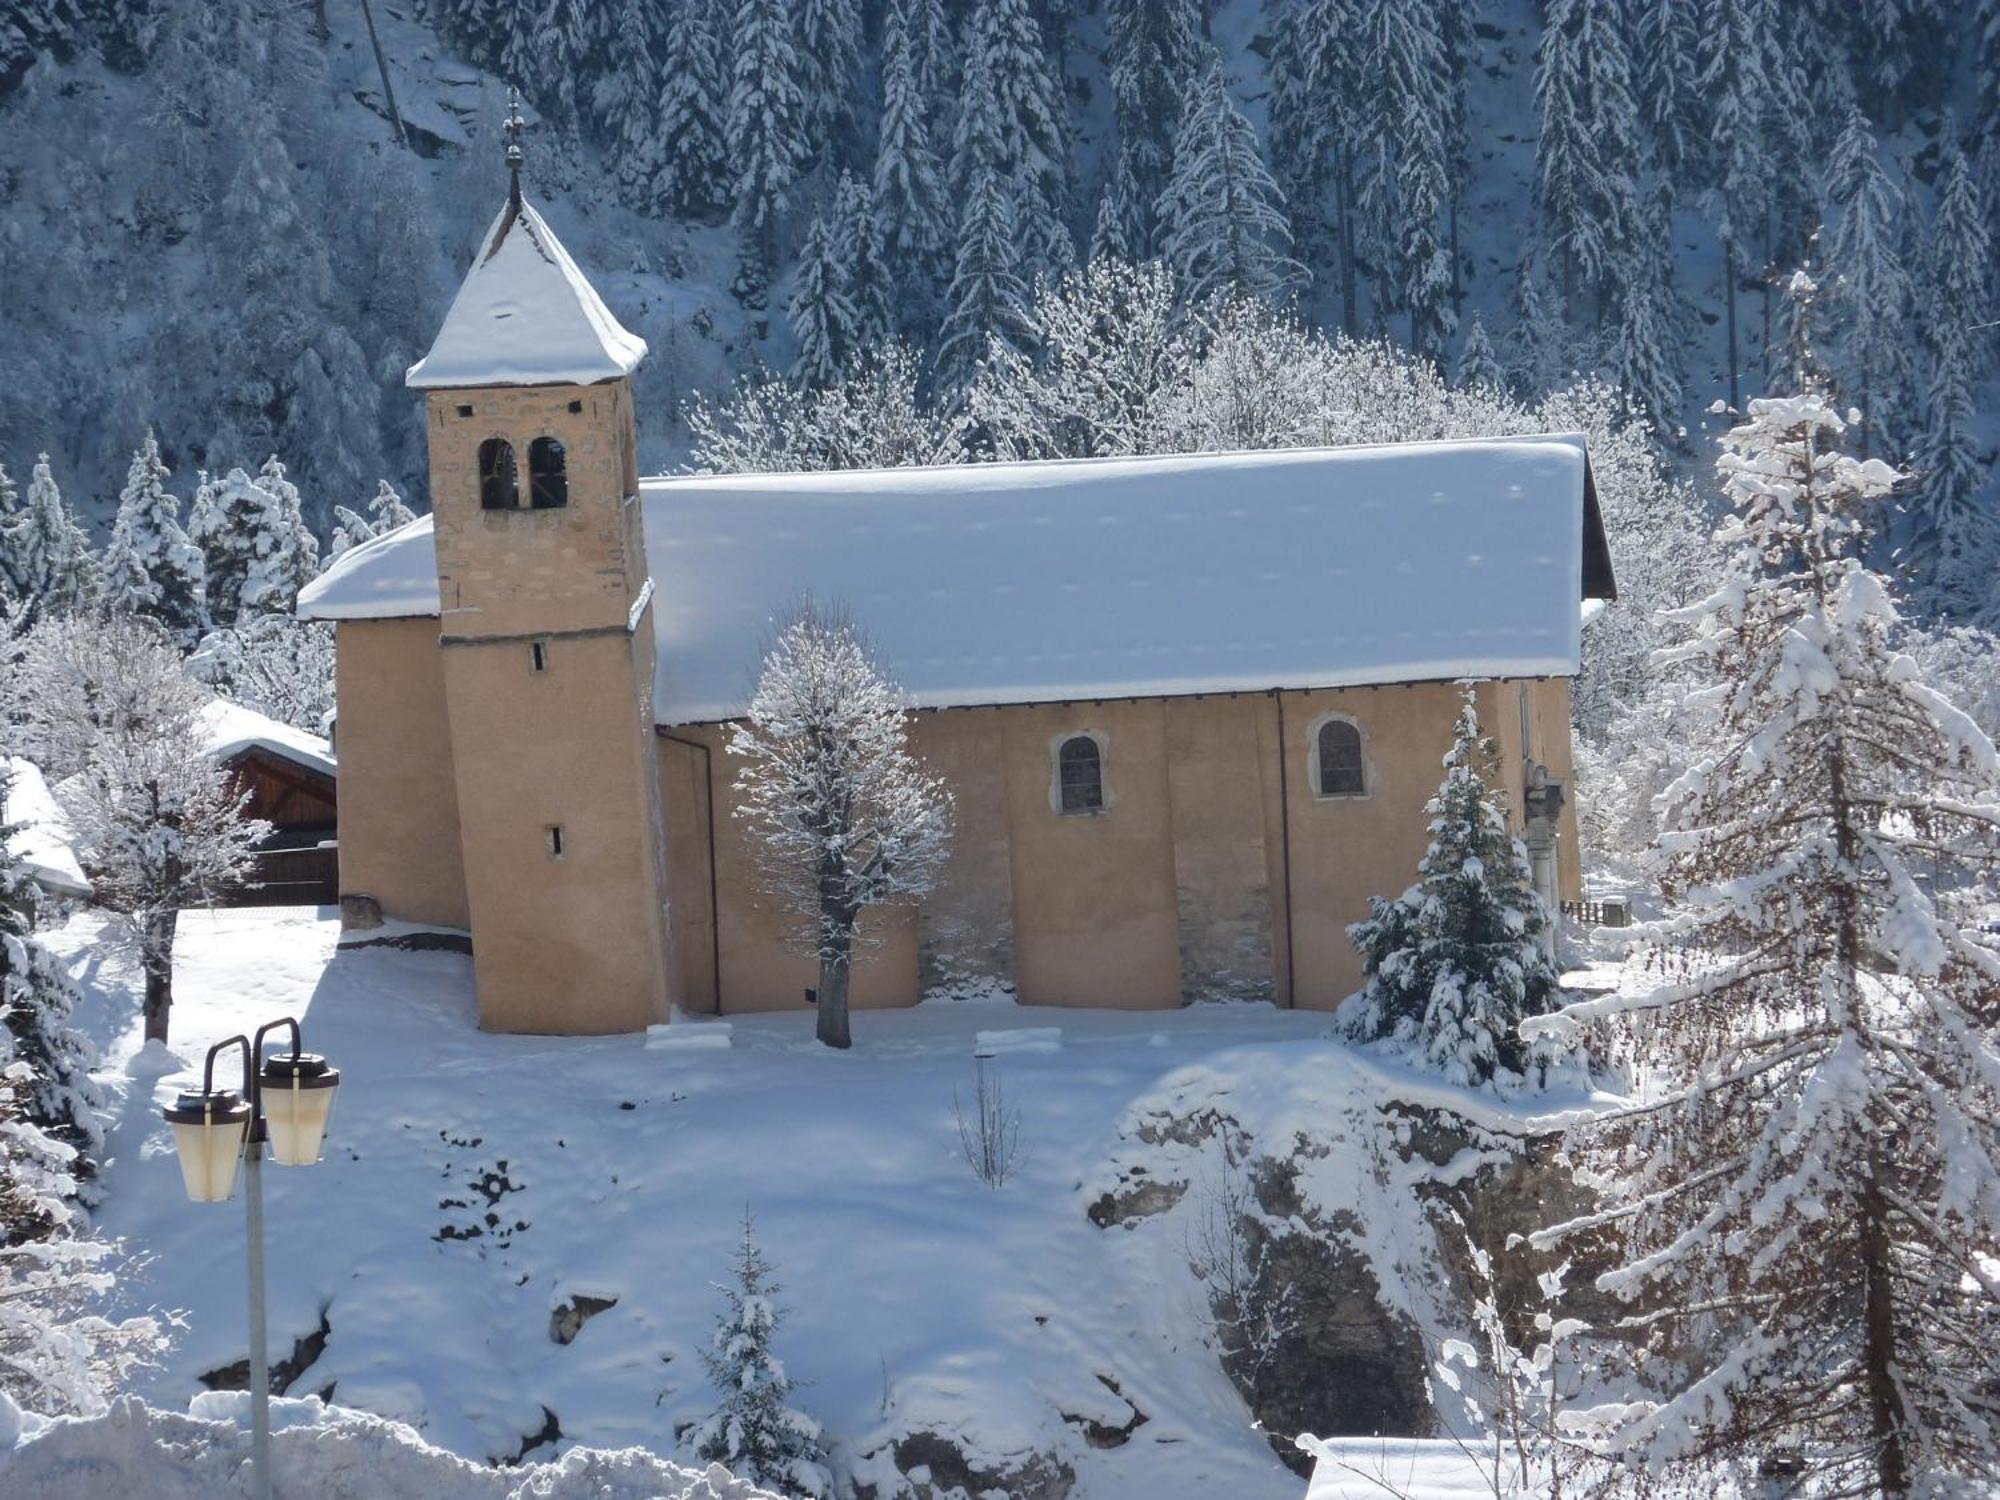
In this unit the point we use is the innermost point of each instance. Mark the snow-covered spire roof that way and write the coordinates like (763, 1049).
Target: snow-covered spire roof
(526, 316)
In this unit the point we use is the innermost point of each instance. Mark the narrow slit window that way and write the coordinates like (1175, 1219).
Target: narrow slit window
(554, 835)
(499, 482)
(548, 479)
(538, 656)
(1341, 773)
(1080, 773)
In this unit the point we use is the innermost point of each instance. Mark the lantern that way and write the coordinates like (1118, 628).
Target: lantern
(296, 1090)
(209, 1129)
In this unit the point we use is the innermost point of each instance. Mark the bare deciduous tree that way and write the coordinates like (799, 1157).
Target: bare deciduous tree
(990, 1136)
(842, 815)
(115, 716)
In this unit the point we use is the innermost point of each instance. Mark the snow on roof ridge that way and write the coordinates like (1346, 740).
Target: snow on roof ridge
(234, 727)
(526, 317)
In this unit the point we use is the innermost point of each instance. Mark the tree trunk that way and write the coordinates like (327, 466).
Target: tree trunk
(1343, 194)
(1729, 305)
(156, 961)
(834, 967)
(1885, 1402)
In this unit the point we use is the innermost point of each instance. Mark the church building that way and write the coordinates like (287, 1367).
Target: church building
(1190, 707)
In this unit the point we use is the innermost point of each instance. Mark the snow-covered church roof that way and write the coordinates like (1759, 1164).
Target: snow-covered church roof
(1106, 578)
(525, 315)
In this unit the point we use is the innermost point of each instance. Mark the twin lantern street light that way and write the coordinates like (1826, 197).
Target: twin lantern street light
(284, 1103)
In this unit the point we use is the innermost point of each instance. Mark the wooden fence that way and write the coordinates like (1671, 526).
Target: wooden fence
(1611, 911)
(291, 877)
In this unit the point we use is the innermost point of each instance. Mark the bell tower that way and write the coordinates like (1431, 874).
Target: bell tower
(546, 635)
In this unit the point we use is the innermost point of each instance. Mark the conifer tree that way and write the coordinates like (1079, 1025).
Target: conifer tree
(150, 567)
(829, 45)
(1154, 58)
(1806, 1209)
(626, 97)
(1012, 121)
(1456, 962)
(1223, 226)
(1731, 79)
(1642, 357)
(1954, 544)
(822, 317)
(1665, 46)
(910, 207)
(754, 1433)
(765, 129)
(1397, 142)
(691, 168)
(43, 551)
(987, 298)
(1587, 149)
(284, 554)
(386, 512)
(857, 250)
(1316, 127)
(1478, 367)
(1869, 290)
(56, 1092)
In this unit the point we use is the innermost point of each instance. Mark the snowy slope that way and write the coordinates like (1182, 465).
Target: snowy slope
(473, 1184)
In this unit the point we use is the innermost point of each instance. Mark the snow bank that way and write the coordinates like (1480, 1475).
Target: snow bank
(40, 833)
(1101, 578)
(330, 1453)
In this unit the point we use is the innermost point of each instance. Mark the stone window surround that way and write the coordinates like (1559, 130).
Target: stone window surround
(1106, 801)
(1319, 722)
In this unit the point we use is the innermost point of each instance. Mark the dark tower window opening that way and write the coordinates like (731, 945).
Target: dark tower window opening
(548, 479)
(1080, 774)
(1341, 773)
(576, 406)
(465, 411)
(499, 481)
(538, 656)
(554, 834)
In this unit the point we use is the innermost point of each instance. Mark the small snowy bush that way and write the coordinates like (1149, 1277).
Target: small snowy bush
(1456, 961)
(754, 1432)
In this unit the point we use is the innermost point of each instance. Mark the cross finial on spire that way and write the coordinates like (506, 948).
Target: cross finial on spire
(514, 126)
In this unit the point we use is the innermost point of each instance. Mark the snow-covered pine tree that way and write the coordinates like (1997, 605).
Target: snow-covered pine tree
(53, 1088)
(1154, 56)
(626, 97)
(284, 554)
(1807, 1210)
(222, 521)
(829, 49)
(910, 208)
(857, 250)
(1222, 220)
(764, 131)
(1315, 89)
(1478, 367)
(1869, 289)
(278, 664)
(1587, 151)
(1665, 50)
(823, 320)
(688, 120)
(1397, 143)
(842, 816)
(1016, 121)
(1957, 524)
(1730, 78)
(1642, 356)
(43, 551)
(150, 566)
(157, 823)
(754, 1433)
(1422, 197)
(987, 298)
(1455, 962)
(386, 512)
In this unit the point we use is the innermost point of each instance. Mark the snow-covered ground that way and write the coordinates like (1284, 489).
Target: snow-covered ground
(475, 1183)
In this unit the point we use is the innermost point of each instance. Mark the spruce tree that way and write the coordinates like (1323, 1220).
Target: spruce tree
(1665, 45)
(754, 1433)
(822, 317)
(1869, 289)
(765, 129)
(1397, 143)
(857, 250)
(1955, 519)
(1154, 58)
(1805, 1206)
(150, 566)
(386, 512)
(1478, 367)
(1587, 150)
(691, 169)
(910, 207)
(1223, 226)
(626, 98)
(1014, 123)
(1731, 79)
(829, 44)
(43, 551)
(56, 1091)
(1456, 962)
(987, 298)
(1642, 356)
(284, 552)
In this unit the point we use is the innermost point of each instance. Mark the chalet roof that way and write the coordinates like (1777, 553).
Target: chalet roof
(37, 830)
(525, 315)
(234, 730)
(1106, 578)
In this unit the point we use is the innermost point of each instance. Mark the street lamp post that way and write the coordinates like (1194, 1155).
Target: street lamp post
(284, 1104)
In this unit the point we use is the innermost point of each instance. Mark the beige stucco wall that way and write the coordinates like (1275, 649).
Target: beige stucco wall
(399, 838)
(1175, 891)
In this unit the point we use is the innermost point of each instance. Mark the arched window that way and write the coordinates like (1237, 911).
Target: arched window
(1080, 775)
(1341, 773)
(548, 482)
(499, 483)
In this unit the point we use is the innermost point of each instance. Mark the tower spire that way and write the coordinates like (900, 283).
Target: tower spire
(514, 126)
